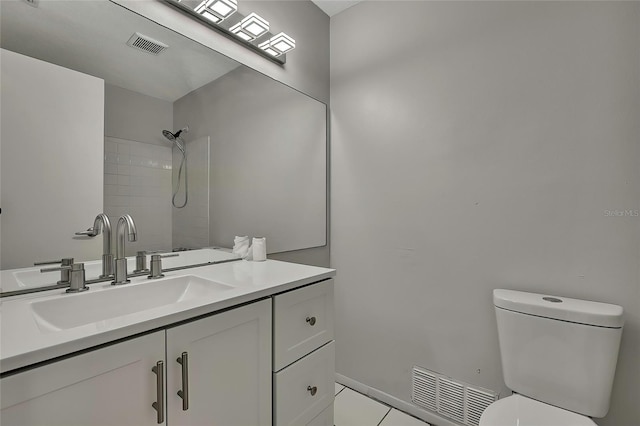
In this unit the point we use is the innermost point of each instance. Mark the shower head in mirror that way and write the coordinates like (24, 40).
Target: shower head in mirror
(175, 137)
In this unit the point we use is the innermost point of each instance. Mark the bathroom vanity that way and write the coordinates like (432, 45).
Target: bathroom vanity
(239, 343)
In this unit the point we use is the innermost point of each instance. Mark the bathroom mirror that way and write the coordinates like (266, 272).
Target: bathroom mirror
(255, 148)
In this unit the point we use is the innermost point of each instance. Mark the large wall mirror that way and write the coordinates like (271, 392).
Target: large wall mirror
(90, 124)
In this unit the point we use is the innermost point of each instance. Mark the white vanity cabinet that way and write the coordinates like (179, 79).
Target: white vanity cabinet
(225, 361)
(304, 356)
(229, 378)
(266, 362)
(109, 386)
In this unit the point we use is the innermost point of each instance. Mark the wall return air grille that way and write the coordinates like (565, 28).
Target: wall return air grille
(450, 398)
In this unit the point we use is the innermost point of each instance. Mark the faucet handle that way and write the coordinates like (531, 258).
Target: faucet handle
(65, 268)
(78, 283)
(68, 261)
(156, 265)
(141, 261)
(74, 274)
(58, 268)
(91, 232)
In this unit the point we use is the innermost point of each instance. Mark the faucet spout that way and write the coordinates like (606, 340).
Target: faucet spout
(125, 222)
(103, 224)
(128, 226)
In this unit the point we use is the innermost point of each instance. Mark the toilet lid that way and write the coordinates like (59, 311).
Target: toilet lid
(517, 410)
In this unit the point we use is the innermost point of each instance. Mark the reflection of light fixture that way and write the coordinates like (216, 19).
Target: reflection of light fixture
(251, 27)
(217, 10)
(278, 44)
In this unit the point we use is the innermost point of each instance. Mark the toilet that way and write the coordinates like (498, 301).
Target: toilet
(558, 357)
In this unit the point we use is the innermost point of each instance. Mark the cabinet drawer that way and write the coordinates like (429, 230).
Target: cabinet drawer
(294, 403)
(303, 321)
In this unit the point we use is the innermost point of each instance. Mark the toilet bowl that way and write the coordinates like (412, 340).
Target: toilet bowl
(518, 410)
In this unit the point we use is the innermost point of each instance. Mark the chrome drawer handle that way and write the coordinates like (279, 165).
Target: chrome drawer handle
(184, 393)
(312, 390)
(311, 320)
(159, 404)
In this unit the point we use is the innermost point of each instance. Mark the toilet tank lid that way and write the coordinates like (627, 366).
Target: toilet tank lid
(560, 308)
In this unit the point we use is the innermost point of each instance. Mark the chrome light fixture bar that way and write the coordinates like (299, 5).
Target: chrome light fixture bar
(278, 45)
(251, 27)
(223, 17)
(217, 10)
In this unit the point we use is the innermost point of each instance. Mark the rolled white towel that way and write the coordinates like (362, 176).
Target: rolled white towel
(241, 246)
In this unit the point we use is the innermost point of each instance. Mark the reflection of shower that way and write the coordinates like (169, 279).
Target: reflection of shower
(179, 143)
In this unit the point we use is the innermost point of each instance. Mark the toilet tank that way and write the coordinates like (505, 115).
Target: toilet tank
(558, 350)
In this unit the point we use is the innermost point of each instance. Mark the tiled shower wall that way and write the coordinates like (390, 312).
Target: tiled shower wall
(137, 181)
(191, 223)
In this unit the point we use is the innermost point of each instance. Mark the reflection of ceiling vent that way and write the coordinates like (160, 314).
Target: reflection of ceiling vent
(146, 44)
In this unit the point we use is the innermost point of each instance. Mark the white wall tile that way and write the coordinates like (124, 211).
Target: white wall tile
(139, 183)
(110, 168)
(110, 180)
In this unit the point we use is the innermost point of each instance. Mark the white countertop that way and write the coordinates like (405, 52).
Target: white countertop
(23, 342)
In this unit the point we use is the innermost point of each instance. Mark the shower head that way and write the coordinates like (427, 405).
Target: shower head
(175, 137)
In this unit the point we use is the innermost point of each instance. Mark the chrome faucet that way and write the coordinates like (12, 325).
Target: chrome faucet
(102, 224)
(125, 221)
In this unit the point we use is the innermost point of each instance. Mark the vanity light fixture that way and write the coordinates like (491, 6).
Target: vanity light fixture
(217, 10)
(247, 30)
(251, 27)
(278, 44)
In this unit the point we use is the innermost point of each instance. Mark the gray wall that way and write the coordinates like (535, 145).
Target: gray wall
(307, 67)
(136, 117)
(479, 145)
(268, 159)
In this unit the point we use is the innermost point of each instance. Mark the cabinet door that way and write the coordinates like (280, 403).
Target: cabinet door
(229, 368)
(109, 386)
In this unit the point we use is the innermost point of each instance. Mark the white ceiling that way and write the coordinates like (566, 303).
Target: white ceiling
(91, 36)
(333, 7)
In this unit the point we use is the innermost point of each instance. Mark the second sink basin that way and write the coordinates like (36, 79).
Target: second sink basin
(69, 311)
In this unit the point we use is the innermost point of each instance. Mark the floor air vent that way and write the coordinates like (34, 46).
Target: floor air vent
(146, 44)
(450, 398)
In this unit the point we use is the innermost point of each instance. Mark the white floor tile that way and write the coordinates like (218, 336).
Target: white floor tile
(339, 387)
(398, 418)
(354, 409)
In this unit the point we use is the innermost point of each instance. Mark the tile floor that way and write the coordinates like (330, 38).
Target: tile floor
(354, 409)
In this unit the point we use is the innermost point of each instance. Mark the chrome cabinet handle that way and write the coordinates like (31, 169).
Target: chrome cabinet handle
(159, 404)
(184, 392)
(312, 390)
(311, 320)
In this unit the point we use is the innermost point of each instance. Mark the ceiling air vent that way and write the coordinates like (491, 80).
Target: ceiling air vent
(450, 398)
(146, 44)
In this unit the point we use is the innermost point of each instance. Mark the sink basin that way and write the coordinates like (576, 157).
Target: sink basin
(69, 311)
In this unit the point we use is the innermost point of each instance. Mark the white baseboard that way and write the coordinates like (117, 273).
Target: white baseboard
(427, 416)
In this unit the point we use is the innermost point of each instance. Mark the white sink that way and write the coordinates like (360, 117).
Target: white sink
(69, 311)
